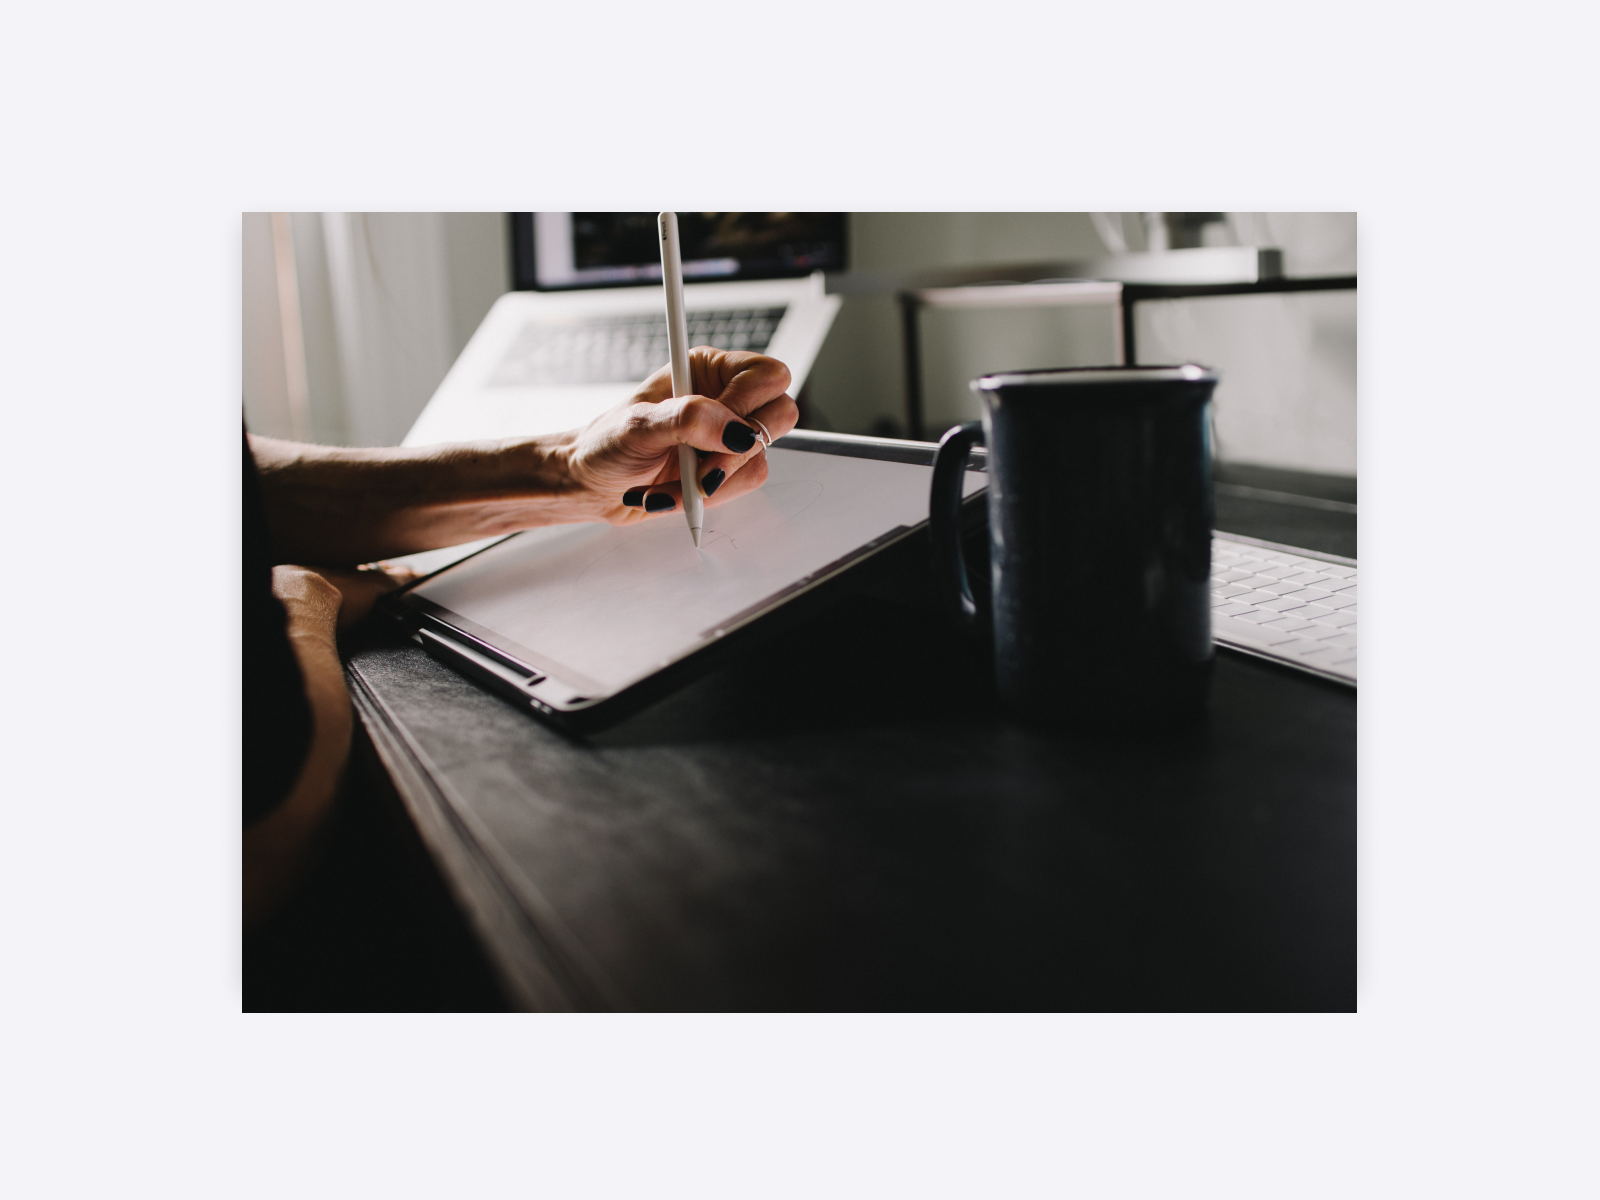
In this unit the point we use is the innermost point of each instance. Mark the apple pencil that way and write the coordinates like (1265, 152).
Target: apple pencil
(678, 348)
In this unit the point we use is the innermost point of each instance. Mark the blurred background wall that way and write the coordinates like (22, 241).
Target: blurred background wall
(383, 302)
(351, 320)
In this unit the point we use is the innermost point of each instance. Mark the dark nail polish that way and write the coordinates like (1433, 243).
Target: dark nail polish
(737, 437)
(633, 498)
(712, 480)
(658, 502)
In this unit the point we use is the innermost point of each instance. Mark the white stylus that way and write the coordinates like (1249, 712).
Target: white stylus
(694, 504)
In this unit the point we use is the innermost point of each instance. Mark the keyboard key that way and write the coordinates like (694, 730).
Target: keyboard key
(1238, 630)
(1257, 616)
(621, 347)
(1293, 624)
(1301, 648)
(1274, 639)
(1312, 623)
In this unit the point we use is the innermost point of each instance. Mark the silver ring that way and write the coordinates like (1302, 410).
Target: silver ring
(765, 436)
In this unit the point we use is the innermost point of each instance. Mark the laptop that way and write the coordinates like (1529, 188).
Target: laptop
(586, 323)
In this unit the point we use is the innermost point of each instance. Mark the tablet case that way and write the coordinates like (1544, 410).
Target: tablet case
(501, 665)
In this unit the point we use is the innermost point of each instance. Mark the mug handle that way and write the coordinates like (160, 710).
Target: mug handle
(944, 523)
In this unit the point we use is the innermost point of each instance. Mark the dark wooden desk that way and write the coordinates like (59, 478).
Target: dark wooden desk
(845, 821)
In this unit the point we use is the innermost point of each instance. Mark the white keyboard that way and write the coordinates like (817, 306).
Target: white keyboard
(1285, 605)
(622, 347)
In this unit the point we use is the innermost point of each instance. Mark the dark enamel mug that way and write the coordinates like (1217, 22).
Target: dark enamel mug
(1100, 515)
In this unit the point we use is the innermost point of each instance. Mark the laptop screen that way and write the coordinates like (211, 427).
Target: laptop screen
(559, 251)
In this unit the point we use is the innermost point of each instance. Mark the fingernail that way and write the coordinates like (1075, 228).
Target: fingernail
(712, 480)
(658, 502)
(737, 437)
(633, 498)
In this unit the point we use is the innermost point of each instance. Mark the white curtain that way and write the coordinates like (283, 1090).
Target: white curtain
(368, 311)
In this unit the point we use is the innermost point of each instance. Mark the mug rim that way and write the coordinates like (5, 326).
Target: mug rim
(1186, 373)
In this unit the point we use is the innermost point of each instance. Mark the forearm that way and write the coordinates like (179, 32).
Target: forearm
(333, 505)
(337, 507)
(277, 848)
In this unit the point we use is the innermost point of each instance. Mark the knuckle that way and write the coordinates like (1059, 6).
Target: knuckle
(697, 409)
(638, 422)
(772, 369)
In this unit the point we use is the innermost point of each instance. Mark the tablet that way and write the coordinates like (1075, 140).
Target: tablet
(576, 622)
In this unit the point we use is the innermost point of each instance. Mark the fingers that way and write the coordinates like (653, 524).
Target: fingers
(730, 443)
(716, 470)
(361, 589)
(739, 379)
(631, 449)
(742, 381)
(663, 499)
(654, 500)
(656, 387)
(748, 474)
(696, 421)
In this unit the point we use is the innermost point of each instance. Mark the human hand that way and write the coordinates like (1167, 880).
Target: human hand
(333, 599)
(626, 461)
(335, 504)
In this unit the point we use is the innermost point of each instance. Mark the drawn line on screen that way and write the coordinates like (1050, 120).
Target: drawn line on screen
(637, 562)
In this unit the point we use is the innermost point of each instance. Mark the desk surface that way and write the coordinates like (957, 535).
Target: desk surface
(846, 821)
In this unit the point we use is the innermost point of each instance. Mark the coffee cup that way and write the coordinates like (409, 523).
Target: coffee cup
(1100, 516)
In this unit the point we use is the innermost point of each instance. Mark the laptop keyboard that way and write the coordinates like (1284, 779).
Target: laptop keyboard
(622, 347)
(1284, 606)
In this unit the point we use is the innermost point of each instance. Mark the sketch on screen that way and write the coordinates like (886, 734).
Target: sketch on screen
(640, 562)
(612, 604)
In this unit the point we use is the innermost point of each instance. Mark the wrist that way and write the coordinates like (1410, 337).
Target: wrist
(539, 468)
(311, 602)
(495, 488)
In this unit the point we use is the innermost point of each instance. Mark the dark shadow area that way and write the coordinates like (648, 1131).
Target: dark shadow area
(861, 662)
(1313, 484)
(840, 818)
(1292, 508)
(917, 849)
(373, 928)
(1325, 532)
